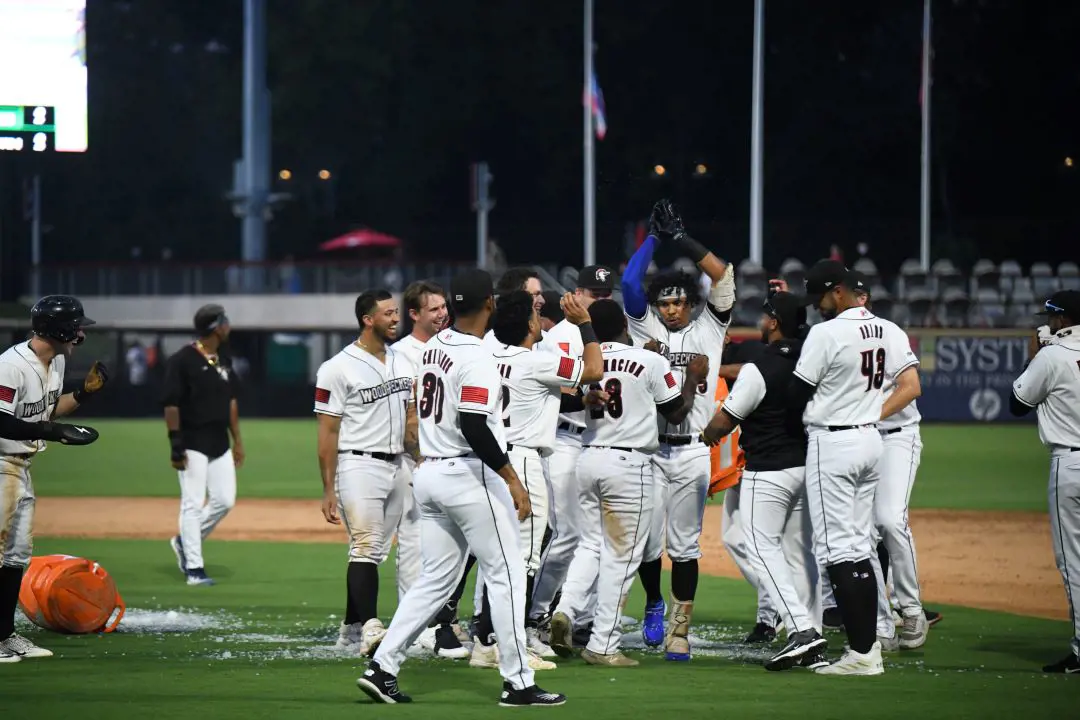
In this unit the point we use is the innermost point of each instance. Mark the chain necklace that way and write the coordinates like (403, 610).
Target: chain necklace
(211, 358)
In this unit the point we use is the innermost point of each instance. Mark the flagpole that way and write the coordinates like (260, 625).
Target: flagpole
(924, 195)
(756, 253)
(590, 154)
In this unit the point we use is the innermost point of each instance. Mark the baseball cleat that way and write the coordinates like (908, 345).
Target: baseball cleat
(652, 626)
(562, 635)
(615, 659)
(483, 656)
(22, 647)
(197, 576)
(762, 634)
(371, 635)
(349, 636)
(800, 644)
(831, 619)
(447, 644)
(913, 632)
(853, 663)
(582, 635)
(178, 550)
(529, 696)
(932, 618)
(381, 686)
(536, 662)
(889, 644)
(813, 661)
(536, 645)
(677, 642)
(6, 656)
(1069, 665)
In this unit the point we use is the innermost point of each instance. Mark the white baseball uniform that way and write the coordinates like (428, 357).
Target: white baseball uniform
(463, 505)
(616, 477)
(682, 483)
(900, 457)
(371, 398)
(408, 529)
(847, 360)
(564, 510)
(29, 391)
(1051, 383)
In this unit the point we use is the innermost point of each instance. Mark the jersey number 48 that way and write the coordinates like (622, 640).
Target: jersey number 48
(873, 368)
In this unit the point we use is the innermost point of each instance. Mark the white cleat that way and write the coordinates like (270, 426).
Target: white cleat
(853, 663)
(536, 646)
(427, 640)
(483, 656)
(349, 636)
(22, 648)
(371, 635)
(6, 656)
(538, 663)
(889, 644)
(913, 632)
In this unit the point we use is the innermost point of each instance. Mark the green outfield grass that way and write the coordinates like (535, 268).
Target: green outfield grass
(277, 605)
(977, 467)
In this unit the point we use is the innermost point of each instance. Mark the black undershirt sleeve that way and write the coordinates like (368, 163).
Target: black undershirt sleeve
(11, 428)
(799, 394)
(671, 406)
(1017, 407)
(571, 403)
(478, 435)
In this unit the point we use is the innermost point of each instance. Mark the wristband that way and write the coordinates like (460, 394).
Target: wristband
(176, 440)
(695, 250)
(79, 395)
(588, 335)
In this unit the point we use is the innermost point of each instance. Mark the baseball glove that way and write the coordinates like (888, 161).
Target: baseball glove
(68, 434)
(96, 378)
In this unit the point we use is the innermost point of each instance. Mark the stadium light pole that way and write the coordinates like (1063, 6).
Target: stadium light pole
(255, 177)
(924, 190)
(587, 140)
(756, 120)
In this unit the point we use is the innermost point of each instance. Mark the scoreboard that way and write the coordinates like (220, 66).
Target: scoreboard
(27, 128)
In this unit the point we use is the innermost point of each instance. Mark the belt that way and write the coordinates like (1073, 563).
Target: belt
(385, 457)
(611, 447)
(452, 457)
(676, 440)
(567, 427)
(838, 428)
(893, 431)
(511, 446)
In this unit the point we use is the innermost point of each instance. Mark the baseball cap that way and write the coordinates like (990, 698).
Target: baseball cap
(1063, 302)
(823, 277)
(209, 317)
(596, 277)
(469, 290)
(859, 282)
(789, 309)
(552, 310)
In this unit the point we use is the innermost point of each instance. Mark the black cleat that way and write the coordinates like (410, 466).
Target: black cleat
(1069, 665)
(447, 644)
(831, 619)
(800, 644)
(381, 686)
(932, 618)
(762, 634)
(813, 660)
(529, 696)
(582, 635)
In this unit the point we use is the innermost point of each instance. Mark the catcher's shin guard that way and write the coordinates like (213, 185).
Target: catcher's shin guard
(677, 642)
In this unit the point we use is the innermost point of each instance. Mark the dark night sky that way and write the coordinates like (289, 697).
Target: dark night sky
(397, 97)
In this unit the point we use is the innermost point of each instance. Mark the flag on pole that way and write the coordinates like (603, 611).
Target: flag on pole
(596, 101)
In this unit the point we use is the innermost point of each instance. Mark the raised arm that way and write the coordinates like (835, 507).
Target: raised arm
(635, 302)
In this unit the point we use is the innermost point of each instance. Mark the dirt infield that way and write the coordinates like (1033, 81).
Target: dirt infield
(995, 561)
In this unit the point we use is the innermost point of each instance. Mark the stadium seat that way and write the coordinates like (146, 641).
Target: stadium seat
(1009, 272)
(749, 273)
(920, 304)
(989, 309)
(957, 304)
(984, 274)
(794, 272)
(946, 276)
(885, 307)
(747, 310)
(867, 267)
(1069, 276)
(1043, 282)
(912, 279)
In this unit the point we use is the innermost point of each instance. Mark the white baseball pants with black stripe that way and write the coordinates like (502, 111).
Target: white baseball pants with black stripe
(734, 531)
(464, 506)
(841, 478)
(370, 495)
(564, 513)
(16, 512)
(616, 511)
(407, 557)
(780, 544)
(1064, 496)
(207, 494)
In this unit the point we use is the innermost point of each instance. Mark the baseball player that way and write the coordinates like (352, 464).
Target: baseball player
(32, 390)
(682, 460)
(367, 420)
(773, 492)
(838, 387)
(516, 278)
(615, 477)
(531, 399)
(467, 491)
(551, 314)
(426, 304)
(1051, 384)
(201, 413)
(595, 282)
(901, 452)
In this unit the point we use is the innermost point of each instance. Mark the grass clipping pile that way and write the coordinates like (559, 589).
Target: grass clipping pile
(994, 561)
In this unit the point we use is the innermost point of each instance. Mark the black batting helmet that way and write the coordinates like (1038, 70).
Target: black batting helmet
(59, 317)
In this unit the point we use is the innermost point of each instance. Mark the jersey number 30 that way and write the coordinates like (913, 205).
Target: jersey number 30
(431, 397)
(873, 368)
(613, 387)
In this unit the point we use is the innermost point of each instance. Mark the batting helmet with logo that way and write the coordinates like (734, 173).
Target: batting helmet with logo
(59, 317)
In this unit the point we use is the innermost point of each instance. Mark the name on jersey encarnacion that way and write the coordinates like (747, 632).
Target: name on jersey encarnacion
(36, 408)
(438, 357)
(621, 365)
(681, 359)
(371, 394)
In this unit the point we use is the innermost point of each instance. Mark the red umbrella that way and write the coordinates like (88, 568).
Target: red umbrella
(361, 238)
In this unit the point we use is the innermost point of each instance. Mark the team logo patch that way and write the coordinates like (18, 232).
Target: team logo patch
(602, 274)
(322, 395)
(565, 347)
(566, 368)
(7, 394)
(473, 394)
(670, 380)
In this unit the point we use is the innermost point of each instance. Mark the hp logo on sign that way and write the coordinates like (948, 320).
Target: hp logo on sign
(985, 404)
